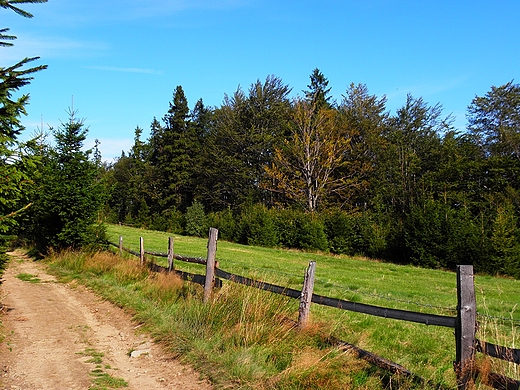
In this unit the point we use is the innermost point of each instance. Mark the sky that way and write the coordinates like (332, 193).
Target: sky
(118, 62)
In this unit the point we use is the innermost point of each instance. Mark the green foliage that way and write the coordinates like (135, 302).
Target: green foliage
(505, 243)
(300, 230)
(404, 187)
(196, 221)
(339, 228)
(256, 227)
(70, 194)
(169, 221)
(226, 223)
(17, 160)
(438, 236)
(356, 234)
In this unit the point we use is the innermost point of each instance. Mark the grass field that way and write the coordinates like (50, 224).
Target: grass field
(428, 351)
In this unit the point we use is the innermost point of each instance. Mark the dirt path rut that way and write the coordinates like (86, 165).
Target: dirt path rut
(62, 336)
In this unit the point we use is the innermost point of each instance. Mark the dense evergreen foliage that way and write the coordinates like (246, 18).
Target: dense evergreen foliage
(69, 193)
(347, 177)
(17, 159)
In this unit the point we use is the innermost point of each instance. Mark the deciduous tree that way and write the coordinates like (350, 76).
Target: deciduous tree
(244, 132)
(304, 164)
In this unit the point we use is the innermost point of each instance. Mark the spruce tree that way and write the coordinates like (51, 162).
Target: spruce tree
(17, 161)
(70, 194)
(175, 146)
(318, 92)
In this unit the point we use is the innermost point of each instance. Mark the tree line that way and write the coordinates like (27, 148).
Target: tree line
(343, 176)
(272, 169)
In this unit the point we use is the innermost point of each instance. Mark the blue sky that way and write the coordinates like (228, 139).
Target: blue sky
(122, 59)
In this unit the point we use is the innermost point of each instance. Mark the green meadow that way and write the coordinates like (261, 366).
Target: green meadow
(428, 351)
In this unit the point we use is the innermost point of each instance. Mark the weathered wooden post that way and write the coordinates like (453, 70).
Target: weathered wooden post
(141, 250)
(120, 246)
(465, 327)
(306, 297)
(210, 264)
(170, 254)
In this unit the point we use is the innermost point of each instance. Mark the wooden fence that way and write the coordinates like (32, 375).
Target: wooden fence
(464, 324)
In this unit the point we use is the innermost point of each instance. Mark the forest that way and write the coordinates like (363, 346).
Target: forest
(346, 177)
(272, 168)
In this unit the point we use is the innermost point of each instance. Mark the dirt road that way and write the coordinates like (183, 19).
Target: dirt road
(65, 337)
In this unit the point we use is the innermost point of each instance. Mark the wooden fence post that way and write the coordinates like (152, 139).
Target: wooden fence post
(465, 327)
(210, 264)
(141, 250)
(306, 297)
(120, 246)
(170, 254)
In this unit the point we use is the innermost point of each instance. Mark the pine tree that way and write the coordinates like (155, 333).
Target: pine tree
(175, 146)
(70, 195)
(17, 161)
(318, 91)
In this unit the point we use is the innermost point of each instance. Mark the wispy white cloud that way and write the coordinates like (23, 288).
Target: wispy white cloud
(49, 47)
(124, 70)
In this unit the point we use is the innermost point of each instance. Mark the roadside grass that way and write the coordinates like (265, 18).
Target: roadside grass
(244, 338)
(426, 350)
(101, 380)
(28, 278)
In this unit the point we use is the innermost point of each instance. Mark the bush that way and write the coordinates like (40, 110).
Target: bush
(256, 227)
(225, 222)
(313, 236)
(504, 242)
(169, 221)
(300, 230)
(438, 236)
(339, 227)
(196, 221)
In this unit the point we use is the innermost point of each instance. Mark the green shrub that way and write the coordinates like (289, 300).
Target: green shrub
(169, 221)
(300, 230)
(288, 229)
(505, 245)
(196, 221)
(256, 227)
(225, 222)
(439, 236)
(339, 229)
(313, 236)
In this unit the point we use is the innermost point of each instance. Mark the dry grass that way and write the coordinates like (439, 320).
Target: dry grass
(165, 287)
(244, 335)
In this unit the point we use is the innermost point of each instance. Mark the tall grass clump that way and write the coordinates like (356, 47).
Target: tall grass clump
(243, 338)
(499, 331)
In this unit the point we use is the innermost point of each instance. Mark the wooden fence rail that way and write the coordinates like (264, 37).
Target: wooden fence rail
(464, 323)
